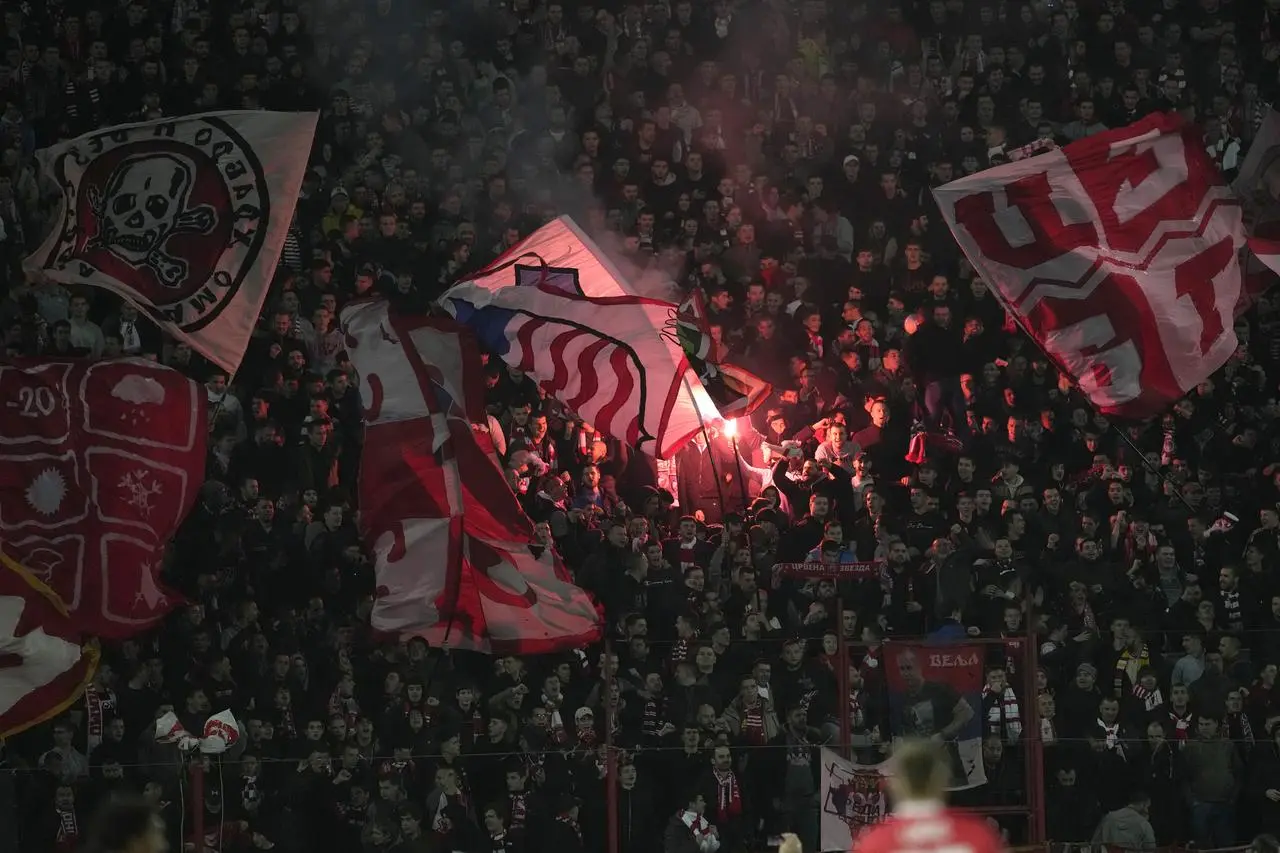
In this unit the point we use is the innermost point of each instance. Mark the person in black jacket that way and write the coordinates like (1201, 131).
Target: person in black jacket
(935, 353)
(688, 831)
(563, 834)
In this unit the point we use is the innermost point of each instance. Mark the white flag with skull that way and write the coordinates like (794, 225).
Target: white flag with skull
(184, 217)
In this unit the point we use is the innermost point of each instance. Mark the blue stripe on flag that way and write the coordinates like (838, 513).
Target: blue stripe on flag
(489, 324)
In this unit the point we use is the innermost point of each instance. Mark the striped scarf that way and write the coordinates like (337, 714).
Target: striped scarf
(1181, 725)
(1239, 724)
(572, 823)
(698, 825)
(1129, 665)
(1086, 616)
(345, 707)
(96, 703)
(1111, 734)
(1150, 699)
(728, 796)
(651, 719)
(753, 728)
(1004, 717)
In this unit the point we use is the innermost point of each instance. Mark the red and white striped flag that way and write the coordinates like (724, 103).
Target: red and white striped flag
(1258, 186)
(455, 556)
(555, 307)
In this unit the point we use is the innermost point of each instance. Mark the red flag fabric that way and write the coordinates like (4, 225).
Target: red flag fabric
(1257, 184)
(184, 217)
(44, 667)
(99, 463)
(1119, 254)
(456, 558)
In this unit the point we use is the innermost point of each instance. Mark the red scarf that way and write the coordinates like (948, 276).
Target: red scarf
(569, 821)
(856, 719)
(96, 704)
(587, 735)
(728, 797)
(688, 554)
(1012, 655)
(870, 664)
(753, 729)
(1182, 724)
(344, 707)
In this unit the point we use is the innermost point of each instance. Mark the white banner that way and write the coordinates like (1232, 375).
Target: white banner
(184, 217)
(853, 799)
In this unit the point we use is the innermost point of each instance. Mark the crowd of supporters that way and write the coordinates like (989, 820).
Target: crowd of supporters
(780, 156)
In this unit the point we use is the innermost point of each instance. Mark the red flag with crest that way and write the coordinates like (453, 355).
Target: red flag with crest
(456, 558)
(1119, 255)
(99, 463)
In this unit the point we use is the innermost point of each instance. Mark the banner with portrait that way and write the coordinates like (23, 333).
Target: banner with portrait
(853, 800)
(935, 692)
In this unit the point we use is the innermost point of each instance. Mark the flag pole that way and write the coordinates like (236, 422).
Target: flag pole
(742, 481)
(1021, 324)
(711, 455)
(196, 767)
(1164, 478)
(610, 754)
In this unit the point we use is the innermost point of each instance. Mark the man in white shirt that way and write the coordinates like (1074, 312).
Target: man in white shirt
(85, 334)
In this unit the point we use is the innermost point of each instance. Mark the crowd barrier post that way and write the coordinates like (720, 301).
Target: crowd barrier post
(611, 755)
(1036, 830)
(196, 769)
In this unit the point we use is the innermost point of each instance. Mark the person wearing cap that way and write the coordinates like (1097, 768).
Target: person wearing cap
(851, 189)
(1078, 703)
(340, 206)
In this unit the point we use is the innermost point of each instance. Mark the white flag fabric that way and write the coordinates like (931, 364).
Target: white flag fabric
(456, 559)
(853, 800)
(555, 307)
(184, 217)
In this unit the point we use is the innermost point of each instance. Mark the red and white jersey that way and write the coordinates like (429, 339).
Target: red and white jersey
(929, 828)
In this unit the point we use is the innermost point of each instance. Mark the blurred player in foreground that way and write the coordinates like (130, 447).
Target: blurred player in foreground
(126, 825)
(921, 821)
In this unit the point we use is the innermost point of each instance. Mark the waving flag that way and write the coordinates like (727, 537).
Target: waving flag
(99, 463)
(184, 217)
(456, 558)
(1119, 254)
(44, 667)
(1258, 186)
(736, 392)
(555, 307)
